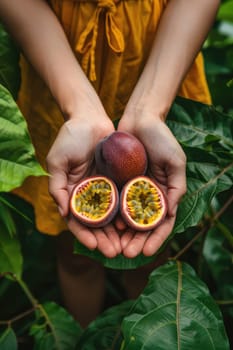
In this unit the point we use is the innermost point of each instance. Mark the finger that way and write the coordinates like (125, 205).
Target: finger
(114, 237)
(82, 233)
(176, 187)
(126, 238)
(58, 190)
(135, 245)
(104, 245)
(158, 237)
(119, 223)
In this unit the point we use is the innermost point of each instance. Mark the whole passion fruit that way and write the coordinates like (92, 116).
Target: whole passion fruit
(121, 157)
(143, 205)
(94, 201)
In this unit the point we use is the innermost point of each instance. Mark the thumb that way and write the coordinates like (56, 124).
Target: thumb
(176, 190)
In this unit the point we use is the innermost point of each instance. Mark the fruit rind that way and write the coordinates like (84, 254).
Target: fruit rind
(121, 157)
(98, 186)
(155, 204)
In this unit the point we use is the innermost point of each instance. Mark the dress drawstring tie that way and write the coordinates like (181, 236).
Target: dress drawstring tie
(86, 44)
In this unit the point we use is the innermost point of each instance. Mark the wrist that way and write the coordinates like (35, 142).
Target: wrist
(76, 103)
(143, 109)
(150, 99)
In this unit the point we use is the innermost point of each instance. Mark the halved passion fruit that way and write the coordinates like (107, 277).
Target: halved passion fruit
(143, 205)
(94, 201)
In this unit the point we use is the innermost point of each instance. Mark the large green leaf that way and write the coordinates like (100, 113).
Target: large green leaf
(205, 179)
(11, 259)
(119, 262)
(8, 340)
(207, 139)
(9, 66)
(55, 329)
(17, 156)
(105, 332)
(226, 11)
(175, 311)
(199, 125)
(6, 219)
(218, 257)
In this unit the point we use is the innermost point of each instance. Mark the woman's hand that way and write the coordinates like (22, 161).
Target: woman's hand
(71, 159)
(167, 163)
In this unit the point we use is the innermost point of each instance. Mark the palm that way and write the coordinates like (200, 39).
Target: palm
(167, 167)
(70, 159)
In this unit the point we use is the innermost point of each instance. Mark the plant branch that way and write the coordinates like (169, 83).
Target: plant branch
(18, 317)
(223, 209)
(209, 223)
(8, 204)
(225, 231)
(36, 305)
(224, 302)
(203, 231)
(6, 273)
(29, 295)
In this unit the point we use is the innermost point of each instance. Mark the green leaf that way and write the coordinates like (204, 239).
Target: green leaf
(6, 219)
(119, 262)
(11, 260)
(207, 139)
(8, 340)
(204, 181)
(230, 83)
(55, 329)
(9, 63)
(17, 155)
(194, 124)
(219, 259)
(105, 332)
(175, 311)
(225, 12)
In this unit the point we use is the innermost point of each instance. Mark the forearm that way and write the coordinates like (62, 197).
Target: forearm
(43, 41)
(181, 33)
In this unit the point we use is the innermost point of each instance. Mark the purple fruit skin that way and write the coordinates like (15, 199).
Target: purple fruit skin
(121, 156)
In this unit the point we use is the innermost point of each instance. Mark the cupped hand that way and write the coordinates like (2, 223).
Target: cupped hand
(167, 165)
(70, 159)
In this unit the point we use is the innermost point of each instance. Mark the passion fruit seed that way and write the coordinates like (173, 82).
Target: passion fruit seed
(144, 203)
(93, 199)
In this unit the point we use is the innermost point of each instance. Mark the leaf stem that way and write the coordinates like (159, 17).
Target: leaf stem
(179, 289)
(18, 317)
(223, 209)
(190, 243)
(8, 204)
(225, 231)
(224, 302)
(209, 223)
(36, 305)
(26, 290)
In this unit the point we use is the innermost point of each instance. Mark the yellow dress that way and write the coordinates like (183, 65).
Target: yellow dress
(112, 40)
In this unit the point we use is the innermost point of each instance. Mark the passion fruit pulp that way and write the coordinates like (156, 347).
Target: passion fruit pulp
(121, 157)
(143, 205)
(94, 201)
